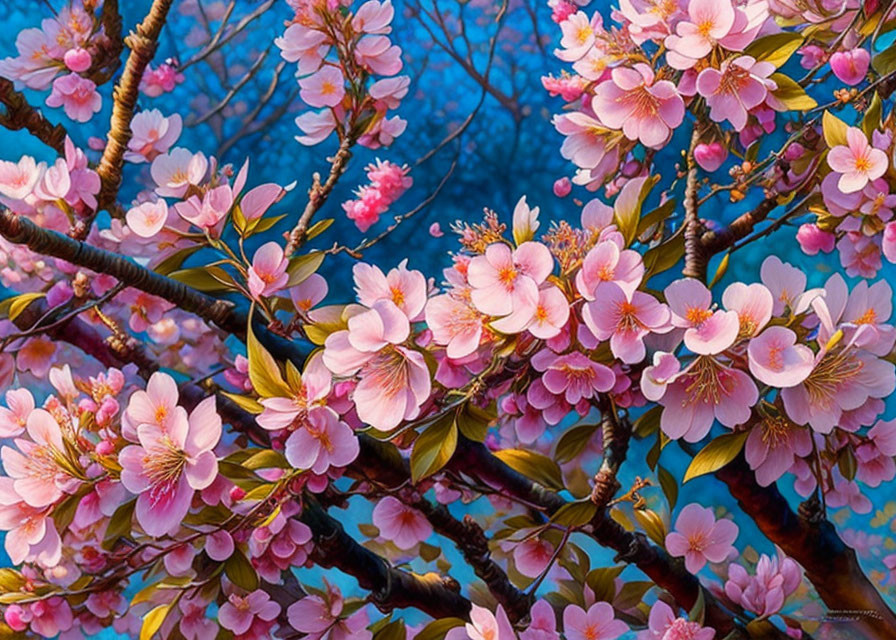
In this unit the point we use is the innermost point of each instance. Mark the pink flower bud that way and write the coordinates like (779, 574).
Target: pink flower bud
(77, 60)
(851, 66)
(710, 156)
(15, 618)
(888, 245)
(105, 448)
(813, 239)
(562, 187)
(435, 230)
(237, 493)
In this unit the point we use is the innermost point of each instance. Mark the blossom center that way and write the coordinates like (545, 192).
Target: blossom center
(697, 315)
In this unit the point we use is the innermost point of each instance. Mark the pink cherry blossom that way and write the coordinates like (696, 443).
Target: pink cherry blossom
(17, 179)
(31, 532)
(708, 22)
(626, 320)
(373, 17)
(378, 55)
(708, 390)
(77, 95)
(573, 376)
(786, 283)
(773, 445)
(484, 625)
(707, 332)
(314, 387)
(393, 379)
(206, 212)
(710, 156)
(506, 281)
(14, 417)
(645, 110)
(309, 292)
(303, 45)
(598, 623)
(455, 324)
(322, 441)
(323, 88)
(764, 592)
(37, 476)
(543, 623)
(176, 170)
(851, 66)
(406, 288)
(857, 161)
(533, 556)
(77, 59)
(238, 613)
(847, 493)
(551, 314)
(157, 405)
(147, 219)
(316, 126)
(700, 538)
(168, 465)
(734, 89)
(662, 624)
(153, 134)
(813, 239)
(657, 376)
(607, 263)
(753, 304)
(401, 524)
(578, 36)
(320, 618)
(777, 360)
(267, 275)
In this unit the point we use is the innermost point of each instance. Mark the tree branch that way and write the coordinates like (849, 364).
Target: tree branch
(21, 115)
(143, 44)
(222, 313)
(830, 565)
(695, 258)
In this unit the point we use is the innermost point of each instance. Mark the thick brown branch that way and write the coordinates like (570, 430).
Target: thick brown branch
(695, 258)
(318, 194)
(616, 435)
(21, 115)
(713, 242)
(108, 61)
(143, 44)
(390, 588)
(813, 542)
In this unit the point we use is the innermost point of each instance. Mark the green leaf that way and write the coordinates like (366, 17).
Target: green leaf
(260, 225)
(146, 593)
(318, 228)
(573, 442)
(474, 421)
(575, 514)
(631, 594)
(206, 279)
(434, 447)
(13, 306)
(11, 580)
(648, 422)
(245, 403)
(664, 256)
(603, 582)
(834, 130)
(153, 620)
(720, 270)
(656, 216)
(267, 459)
(263, 370)
(791, 94)
(534, 466)
(668, 485)
(240, 571)
(716, 454)
(885, 61)
(120, 524)
(698, 611)
(301, 267)
(627, 207)
(437, 629)
(395, 630)
(175, 260)
(652, 524)
(775, 48)
(872, 119)
(847, 464)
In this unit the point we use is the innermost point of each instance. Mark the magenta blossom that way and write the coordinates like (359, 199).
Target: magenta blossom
(707, 332)
(734, 89)
(626, 320)
(663, 624)
(765, 592)
(239, 612)
(267, 275)
(857, 161)
(598, 623)
(403, 525)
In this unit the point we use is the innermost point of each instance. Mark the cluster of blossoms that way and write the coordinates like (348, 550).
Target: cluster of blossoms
(388, 182)
(163, 79)
(62, 54)
(340, 85)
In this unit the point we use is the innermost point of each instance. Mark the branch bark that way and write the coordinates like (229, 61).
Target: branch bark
(21, 115)
(811, 540)
(221, 313)
(143, 44)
